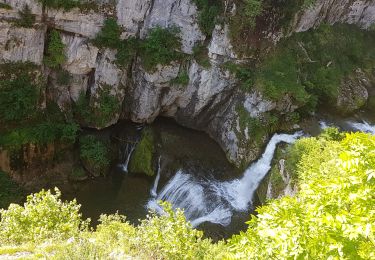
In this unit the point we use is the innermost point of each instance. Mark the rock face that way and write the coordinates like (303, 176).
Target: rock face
(358, 12)
(209, 101)
(21, 44)
(354, 92)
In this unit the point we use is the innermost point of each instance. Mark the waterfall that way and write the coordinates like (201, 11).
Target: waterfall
(155, 186)
(209, 200)
(125, 153)
(323, 125)
(363, 126)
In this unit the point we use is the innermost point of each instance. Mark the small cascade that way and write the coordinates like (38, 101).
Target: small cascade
(363, 126)
(209, 200)
(155, 186)
(125, 155)
(323, 124)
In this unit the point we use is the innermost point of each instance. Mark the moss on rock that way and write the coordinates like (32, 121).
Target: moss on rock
(142, 159)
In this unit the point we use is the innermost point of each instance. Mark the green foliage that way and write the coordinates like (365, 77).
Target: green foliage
(126, 51)
(43, 217)
(39, 133)
(157, 237)
(331, 217)
(252, 8)
(55, 54)
(95, 152)
(310, 66)
(5, 6)
(27, 19)
(109, 36)
(207, 15)
(141, 160)
(258, 128)
(333, 214)
(18, 99)
(243, 72)
(13, 70)
(160, 47)
(100, 111)
(182, 78)
(61, 4)
(10, 192)
(278, 76)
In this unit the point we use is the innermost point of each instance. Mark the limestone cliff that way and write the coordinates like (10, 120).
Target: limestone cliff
(211, 101)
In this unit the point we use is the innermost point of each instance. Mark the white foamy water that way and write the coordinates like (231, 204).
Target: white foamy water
(323, 124)
(363, 126)
(209, 200)
(156, 182)
(126, 154)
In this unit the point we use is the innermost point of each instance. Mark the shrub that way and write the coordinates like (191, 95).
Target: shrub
(10, 192)
(27, 19)
(160, 47)
(126, 51)
(95, 152)
(43, 217)
(18, 99)
(141, 160)
(333, 214)
(207, 15)
(252, 8)
(40, 133)
(55, 55)
(109, 36)
(100, 111)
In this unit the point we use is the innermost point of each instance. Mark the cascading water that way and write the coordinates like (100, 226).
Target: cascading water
(363, 126)
(153, 191)
(209, 200)
(126, 153)
(323, 124)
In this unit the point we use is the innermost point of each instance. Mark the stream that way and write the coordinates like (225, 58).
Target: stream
(192, 173)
